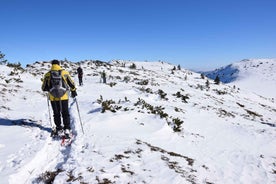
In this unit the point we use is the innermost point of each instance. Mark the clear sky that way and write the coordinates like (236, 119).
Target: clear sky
(196, 34)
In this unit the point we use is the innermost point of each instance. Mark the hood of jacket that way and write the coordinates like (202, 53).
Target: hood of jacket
(56, 67)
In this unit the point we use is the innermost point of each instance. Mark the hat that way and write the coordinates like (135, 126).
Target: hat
(55, 62)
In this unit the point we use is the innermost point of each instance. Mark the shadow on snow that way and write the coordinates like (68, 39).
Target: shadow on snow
(23, 123)
(95, 110)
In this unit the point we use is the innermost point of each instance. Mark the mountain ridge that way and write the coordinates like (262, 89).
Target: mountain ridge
(256, 75)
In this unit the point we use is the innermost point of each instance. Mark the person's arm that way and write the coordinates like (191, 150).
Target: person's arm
(45, 83)
(69, 81)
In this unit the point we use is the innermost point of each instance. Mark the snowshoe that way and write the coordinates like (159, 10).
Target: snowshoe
(57, 134)
(67, 138)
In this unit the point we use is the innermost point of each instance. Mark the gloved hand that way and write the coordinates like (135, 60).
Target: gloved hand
(74, 94)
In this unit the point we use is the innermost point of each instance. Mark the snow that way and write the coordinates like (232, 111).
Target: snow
(227, 135)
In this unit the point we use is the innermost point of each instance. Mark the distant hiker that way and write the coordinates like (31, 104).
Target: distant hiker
(58, 82)
(80, 75)
(104, 77)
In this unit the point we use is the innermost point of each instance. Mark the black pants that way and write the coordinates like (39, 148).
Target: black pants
(80, 80)
(104, 80)
(61, 108)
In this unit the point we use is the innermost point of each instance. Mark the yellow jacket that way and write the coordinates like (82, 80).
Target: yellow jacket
(66, 77)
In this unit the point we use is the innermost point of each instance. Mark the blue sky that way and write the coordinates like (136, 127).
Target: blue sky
(197, 34)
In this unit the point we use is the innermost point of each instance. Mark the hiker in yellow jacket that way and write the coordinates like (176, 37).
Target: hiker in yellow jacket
(57, 82)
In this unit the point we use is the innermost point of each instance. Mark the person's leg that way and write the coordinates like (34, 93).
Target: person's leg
(66, 119)
(65, 115)
(81, 81)
(56, 111)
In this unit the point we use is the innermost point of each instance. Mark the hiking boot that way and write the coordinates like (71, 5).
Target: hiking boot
(54, 133)
(60, 133)
(67, 134)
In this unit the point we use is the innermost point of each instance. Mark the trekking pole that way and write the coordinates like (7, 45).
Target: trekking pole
(50, 119)
(79, 114)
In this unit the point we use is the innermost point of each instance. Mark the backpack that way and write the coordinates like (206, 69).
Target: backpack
(58, 87)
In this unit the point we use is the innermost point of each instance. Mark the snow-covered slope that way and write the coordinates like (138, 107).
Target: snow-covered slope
(257, 75)
(148, 124)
